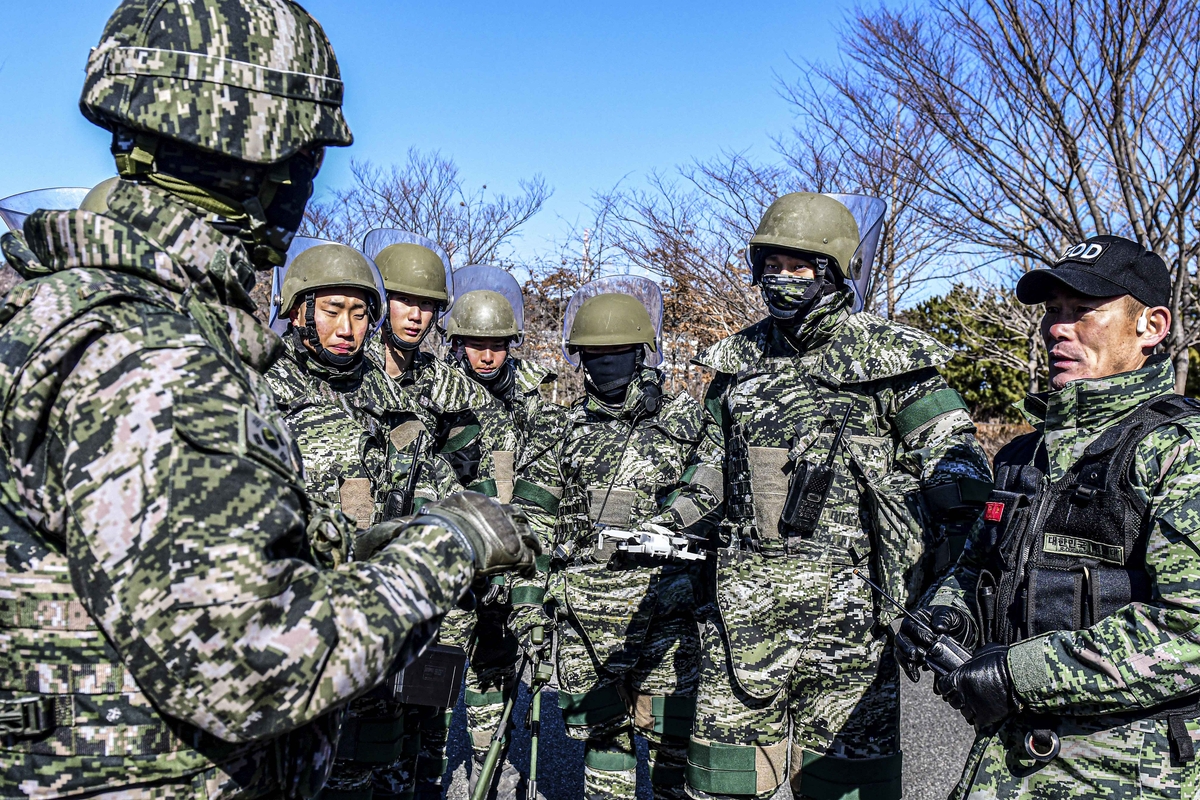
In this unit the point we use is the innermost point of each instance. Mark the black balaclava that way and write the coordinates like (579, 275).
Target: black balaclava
(308, 333)
(610, 374)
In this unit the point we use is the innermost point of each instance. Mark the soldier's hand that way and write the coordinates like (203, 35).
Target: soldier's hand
(534, 629)
(911, 644)
(981, 689)
(498, 536)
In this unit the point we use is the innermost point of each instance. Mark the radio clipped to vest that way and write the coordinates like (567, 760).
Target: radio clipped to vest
(808, 489)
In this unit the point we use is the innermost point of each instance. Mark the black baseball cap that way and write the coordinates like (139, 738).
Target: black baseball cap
(1102, 266)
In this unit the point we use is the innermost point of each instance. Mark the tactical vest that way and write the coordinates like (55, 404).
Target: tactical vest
(1065, 554)
(68, 705)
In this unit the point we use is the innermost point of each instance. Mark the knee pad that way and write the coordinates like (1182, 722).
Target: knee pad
(372, 741)
(595, 707)
(664, 716)
(608, 756)
(822, 777)
(716, 768)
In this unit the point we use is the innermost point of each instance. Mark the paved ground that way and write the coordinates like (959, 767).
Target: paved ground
(935, 741)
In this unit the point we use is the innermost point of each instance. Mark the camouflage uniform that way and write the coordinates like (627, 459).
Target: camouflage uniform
(628, 646)
(445, 401)
(513, 426)
(164, 631)
(343, 422)
(1141, 656)
(793, 641)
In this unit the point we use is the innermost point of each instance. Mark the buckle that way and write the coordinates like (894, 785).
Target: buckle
(27, 716)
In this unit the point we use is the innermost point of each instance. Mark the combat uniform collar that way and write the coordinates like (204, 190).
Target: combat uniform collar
(148, 234)
(856, 348)
(1071, 418)
(529, 375)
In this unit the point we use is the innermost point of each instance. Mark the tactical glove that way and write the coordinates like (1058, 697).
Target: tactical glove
(369, 542)
(497, 536)
(911, 642)
(525, 623)
(981, 689)
(330, 535)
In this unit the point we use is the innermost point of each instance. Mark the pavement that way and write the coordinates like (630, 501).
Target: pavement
(934, 737)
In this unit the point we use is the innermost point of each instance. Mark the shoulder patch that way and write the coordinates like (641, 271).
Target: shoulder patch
(262, 441)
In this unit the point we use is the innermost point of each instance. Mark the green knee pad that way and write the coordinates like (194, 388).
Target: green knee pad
(372, 741)
(831, 778)
(482, 699)
(717, 768)
(667, 775)
(673, 716)
(592, 708)
(608, 760)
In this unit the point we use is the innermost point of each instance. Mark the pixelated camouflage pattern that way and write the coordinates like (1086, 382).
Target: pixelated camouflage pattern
(1141, 656)
(156, 582)
(256, 81)
(342, 419)
(791, 619)
(445, 401)
(630, 624)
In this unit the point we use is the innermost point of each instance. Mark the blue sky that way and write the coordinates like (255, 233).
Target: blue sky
(584, 93)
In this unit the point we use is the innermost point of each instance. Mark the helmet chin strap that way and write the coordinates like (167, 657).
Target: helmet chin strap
(396, 341)
(308, 332)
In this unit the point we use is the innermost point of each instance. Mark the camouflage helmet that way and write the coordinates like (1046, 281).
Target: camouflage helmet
(413, 269)
(611, 319)
(254, 80)
(329, 266)
(96, 200)
(484, 314)
(805, 223)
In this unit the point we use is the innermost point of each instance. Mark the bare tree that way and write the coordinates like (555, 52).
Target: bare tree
(1047, 121)
(426, 195)
(830, 150)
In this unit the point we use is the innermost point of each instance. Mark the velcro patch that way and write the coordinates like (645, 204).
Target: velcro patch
(1084, 253)
(1076, 546)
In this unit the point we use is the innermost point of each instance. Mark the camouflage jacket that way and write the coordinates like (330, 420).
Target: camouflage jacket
(907, 455)
(444, 399)
(514, 424)
(161, 619)
(617, 467)
(344, 422)
(1145, 653)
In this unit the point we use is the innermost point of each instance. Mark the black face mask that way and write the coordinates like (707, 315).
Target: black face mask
(611, 373)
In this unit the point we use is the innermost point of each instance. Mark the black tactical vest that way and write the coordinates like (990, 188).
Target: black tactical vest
(1063, 555)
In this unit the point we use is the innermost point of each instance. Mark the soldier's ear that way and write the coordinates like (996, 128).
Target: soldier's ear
(295, 317)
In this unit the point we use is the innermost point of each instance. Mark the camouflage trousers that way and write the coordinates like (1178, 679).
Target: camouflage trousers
(794, 669)
(1099, 758)
(491, 674)
(654, 699)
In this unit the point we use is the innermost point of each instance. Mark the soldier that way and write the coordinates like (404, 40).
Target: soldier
(1084, 575)
(166, 629)
(833, 442)
(518, 425)
(418, 285)
(628, 645)
(340, 409)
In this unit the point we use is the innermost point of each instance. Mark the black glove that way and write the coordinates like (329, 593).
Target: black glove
(911, 644)
(982, 688)
(497, 536)
(369, 542)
